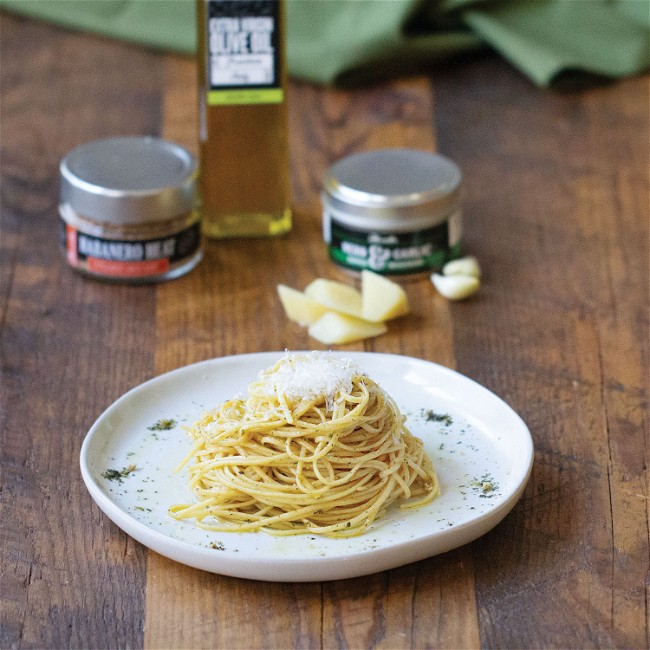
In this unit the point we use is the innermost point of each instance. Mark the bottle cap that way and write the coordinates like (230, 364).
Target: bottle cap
(129, 180)
(389, 184)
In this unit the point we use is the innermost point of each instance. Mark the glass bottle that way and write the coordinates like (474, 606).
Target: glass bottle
(243, 135)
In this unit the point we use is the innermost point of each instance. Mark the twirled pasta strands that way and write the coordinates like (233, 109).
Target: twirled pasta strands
(290, 466)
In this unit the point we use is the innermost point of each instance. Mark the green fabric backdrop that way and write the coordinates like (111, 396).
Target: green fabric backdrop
(350, 42)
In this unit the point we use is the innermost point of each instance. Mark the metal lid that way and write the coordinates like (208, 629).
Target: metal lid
(129, 180)
(394, 184)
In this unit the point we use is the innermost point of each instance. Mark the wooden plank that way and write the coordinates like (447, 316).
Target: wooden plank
(328, 125)
(208, 314)
(556, 210)
(69, 346)
(423, 605)
(187, 608)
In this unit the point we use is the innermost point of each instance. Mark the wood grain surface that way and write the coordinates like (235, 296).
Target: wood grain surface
(555, 208)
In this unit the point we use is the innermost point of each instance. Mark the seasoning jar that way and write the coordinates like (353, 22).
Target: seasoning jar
(127, 210)
(392, 211)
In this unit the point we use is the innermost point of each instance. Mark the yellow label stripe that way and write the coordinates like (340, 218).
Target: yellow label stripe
(249, 96)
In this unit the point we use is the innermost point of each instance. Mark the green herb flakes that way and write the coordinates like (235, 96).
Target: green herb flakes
(118, 475)
(485, 486)
(164, 424)
(432, 416)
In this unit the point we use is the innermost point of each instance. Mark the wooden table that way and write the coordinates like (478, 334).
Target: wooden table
(556, 210)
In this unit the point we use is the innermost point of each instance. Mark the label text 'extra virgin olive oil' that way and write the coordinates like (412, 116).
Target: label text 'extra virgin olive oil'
(243, 133)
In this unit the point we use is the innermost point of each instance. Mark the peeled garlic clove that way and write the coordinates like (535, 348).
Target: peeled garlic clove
(335, 295)
(298, 307)
(333, 327)
(463, 266)
(455, 287)
(381, 298)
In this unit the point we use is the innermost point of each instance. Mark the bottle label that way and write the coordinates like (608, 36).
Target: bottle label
(116, 258)
(244, 49)
(390, 253)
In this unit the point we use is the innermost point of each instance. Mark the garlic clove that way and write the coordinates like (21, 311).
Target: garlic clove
(334, 327)
(455, 287)
(335, 295)
(298, 307)
(381, 298)
(463, 266)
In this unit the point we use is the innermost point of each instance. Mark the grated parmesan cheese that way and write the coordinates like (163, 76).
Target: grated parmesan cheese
(317, 374)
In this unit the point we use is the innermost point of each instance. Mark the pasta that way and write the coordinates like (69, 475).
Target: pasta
(315, 447)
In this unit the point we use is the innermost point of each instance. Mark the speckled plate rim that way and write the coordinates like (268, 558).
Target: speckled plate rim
(490, 415)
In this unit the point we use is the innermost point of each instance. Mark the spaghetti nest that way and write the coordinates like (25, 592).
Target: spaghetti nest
(321, 464)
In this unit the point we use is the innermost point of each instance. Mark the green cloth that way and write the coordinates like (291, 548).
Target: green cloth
(351, 42)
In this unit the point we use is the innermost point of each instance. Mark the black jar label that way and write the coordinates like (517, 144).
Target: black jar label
(243, 52)
(128, 258)
(391, 253)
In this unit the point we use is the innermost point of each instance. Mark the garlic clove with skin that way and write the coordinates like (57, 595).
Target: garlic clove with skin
(455, 287)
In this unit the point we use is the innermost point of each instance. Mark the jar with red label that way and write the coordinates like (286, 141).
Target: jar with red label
(127, 210)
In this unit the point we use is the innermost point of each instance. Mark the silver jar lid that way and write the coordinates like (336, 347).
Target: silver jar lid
(394, 184)
(129, 180)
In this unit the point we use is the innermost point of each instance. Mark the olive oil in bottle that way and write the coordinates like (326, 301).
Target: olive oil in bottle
(243, 133)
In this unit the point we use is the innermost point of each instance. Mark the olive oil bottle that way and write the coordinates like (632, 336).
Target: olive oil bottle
(243, 133)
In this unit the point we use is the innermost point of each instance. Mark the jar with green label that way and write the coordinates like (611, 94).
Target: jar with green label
(393, 211)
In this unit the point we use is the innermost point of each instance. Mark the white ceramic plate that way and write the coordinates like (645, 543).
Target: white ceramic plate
(481, 449)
